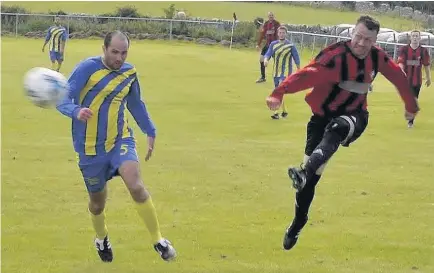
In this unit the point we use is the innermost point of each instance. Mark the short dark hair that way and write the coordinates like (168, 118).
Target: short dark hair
(369, 22)
(283, 27)
(415, 31)
(109, 37)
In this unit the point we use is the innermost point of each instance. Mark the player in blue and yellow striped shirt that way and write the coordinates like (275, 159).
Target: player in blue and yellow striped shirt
(56, 36)
(102, 89)
(283, 52)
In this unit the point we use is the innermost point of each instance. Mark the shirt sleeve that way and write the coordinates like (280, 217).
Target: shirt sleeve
(426, 61)
(261, 36)
(397, 77)
(294, 54)
(314, 74)
(69, 105)
(270, 51)
(401, 55)
(48, 36)
(65, 35)
(138, 110)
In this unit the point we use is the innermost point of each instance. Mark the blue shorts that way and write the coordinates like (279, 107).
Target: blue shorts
(98, 170)
(278, 80)
(56, 56)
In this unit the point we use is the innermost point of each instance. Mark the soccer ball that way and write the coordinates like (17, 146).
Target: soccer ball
(45, 87)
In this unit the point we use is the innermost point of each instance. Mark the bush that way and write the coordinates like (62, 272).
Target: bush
(128, 11)
(170, 11)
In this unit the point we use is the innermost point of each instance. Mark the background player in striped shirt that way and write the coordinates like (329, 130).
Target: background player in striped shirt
(56, 36)
(101, 91)
(269, 32)
(283, 52)
(340, 76)
(411, 59)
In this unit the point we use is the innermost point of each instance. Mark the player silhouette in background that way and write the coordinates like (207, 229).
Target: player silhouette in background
(283, 52)
(268, 31)
(411, 59)
(56, 36)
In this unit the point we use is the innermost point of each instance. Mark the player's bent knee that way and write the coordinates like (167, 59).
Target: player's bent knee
(344, 126)
(261, 58)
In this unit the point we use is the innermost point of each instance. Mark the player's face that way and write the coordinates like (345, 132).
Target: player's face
(415, 38)
(362, 40)
(270, 16)
(282, 34)
(116, 53)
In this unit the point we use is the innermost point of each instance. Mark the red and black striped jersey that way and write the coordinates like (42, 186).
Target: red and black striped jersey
(413, 60)
(341, 81)
(269, 32)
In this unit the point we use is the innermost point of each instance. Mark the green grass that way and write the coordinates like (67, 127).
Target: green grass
(218, 175)
(245, 11)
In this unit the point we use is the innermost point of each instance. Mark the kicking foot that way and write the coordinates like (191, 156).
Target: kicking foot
(104, 249)
(165, 249)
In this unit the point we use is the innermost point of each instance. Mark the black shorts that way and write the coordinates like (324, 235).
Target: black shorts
(264, 50)
(317, 126)
(416, 90)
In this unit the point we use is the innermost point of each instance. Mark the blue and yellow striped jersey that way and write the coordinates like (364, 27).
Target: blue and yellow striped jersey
(108, 93)
(56, 34)
(283, 52)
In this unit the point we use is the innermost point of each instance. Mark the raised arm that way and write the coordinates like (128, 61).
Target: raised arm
(397, 77)
(77, 81)
(311, 75)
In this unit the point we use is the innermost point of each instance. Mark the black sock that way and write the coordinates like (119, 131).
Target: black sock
(304, 198)
(322, 153)
(262, 70)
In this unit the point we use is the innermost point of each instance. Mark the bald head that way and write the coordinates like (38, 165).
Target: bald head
(115, 48)
(117, 35)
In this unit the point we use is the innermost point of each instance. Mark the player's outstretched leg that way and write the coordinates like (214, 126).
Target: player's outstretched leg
(303, 200)
(129, 171)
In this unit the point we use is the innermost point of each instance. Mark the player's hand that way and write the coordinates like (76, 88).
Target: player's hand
(257, 47)
(273, 103)
(43, 49)
(428, 82)
(84, 114)
(409, 116)
(151, 141)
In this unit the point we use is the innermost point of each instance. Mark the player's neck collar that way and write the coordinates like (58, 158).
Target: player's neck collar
(414, 47)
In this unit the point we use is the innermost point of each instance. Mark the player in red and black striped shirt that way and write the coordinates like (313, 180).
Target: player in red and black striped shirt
(340, 76)
(268, 31)
(411, 59)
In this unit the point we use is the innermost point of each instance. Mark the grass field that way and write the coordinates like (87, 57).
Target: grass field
(218, 175)
(215, 9)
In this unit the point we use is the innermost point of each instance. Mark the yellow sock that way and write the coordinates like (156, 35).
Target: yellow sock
(148, 213)
(284, 107)
(58, 67)
(53, 66)
(99, 225)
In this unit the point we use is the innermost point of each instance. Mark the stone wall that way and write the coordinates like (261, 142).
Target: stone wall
(385, 9)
